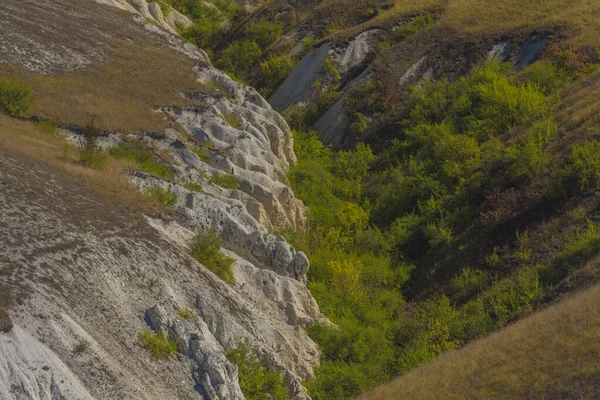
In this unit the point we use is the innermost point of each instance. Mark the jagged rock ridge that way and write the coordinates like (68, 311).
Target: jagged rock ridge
(82, 271)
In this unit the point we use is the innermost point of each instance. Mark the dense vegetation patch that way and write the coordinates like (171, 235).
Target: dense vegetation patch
(258, 380)
(465, 162)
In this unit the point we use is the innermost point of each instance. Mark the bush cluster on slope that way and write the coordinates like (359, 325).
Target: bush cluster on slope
(465, 154)
(257, 380)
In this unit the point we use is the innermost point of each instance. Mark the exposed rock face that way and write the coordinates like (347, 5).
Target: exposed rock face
(83, 271)
(297, 88)
(355, 54)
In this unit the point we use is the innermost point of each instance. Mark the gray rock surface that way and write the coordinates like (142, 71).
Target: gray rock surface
(84, 271)
(88, 272)
(298, 86)
(356, 52)
(530, 51)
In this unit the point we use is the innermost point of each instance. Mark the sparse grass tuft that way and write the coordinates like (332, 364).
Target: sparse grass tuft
(186, 314)
(195, 187)
(225, 181)
(202, 153)
(158, 343)
(232, 120)
(165, 196)
(81, 347)
(206, 249)
(143, 160)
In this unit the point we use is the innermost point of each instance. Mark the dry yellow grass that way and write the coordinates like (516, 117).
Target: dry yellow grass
(119, 93)
(24, 138)
(551, 355)
(578, 20)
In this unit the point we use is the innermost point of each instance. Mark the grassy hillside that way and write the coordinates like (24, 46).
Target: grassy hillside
(550, 355)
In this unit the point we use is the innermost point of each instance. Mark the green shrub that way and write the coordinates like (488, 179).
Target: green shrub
(195, 187)
(15, 98)
(257, 380)
(91, 155)
(515, 296)
(402, 32)
(547, 76)
(276, 69)
(263, 32)
(360, 125)
(158, 343)
(202, 153)
(165, 7)
(143, 159)
(93, 158)
(47, 128)
(165, 196)
(469, 281)
(238, 56)
(204, 32)
(232, 120)
(206, 249)
(307, 45)
(225, 181)
(581, 247)
(186, 314)
(586, 164)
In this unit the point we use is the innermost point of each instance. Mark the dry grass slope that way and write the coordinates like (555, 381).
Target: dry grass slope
(24, 138)
(550, 355)
(577, 19)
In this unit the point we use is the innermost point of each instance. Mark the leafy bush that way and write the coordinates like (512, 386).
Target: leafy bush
(206, 249)
(257, 380)
(360, 125)
(307, 45)
(547, 76)
(469, 281)
(158, 343)
(263, 32)
(402, 32)
(276, 69)
(236, 58)
(15, 98)
(581, 246)
(165, 196)
(513, 297)
(208, 19)
(204, 32)
(143, 160)
(586, 164)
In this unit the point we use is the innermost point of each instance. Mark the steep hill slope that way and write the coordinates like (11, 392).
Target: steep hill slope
(550, 355)
(136, 162)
